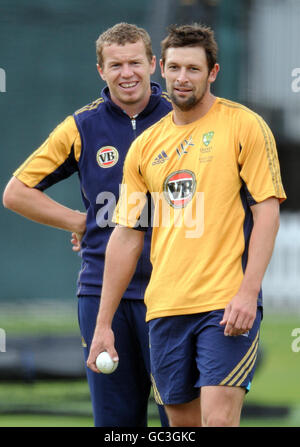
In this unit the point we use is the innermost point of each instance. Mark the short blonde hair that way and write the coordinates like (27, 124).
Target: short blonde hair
(121, 34)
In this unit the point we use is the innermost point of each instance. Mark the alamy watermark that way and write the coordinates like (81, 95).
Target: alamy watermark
(296, 343)
(2, 80)
(177, 206)
(295, 85)
(2, 340)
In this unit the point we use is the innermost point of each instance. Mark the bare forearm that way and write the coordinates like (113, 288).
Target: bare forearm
(122, 254)
(261, 247)
(37, 206)
(241, 311)
(120, 264)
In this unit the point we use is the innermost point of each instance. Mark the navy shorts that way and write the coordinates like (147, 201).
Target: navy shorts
(120, 399)
(191, 351)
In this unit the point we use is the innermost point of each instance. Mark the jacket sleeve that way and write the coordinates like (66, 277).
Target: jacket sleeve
(55, 160)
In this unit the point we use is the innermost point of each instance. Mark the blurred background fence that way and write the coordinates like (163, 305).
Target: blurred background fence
(282, 280)
(48, 70)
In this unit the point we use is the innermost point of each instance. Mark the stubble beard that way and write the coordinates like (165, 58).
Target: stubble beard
(186, 105)
(189, 103)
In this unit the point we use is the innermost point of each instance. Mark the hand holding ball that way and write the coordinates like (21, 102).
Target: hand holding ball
(105, 363)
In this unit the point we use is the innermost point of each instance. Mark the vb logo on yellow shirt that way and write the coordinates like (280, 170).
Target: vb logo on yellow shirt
(179, 188)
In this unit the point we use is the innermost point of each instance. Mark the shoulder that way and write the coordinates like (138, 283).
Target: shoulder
(156, 129)
(165, 103)
(166, 99)
(66, 130)
(238, 110)
(89, 109)
(157, 91)
(250, 128)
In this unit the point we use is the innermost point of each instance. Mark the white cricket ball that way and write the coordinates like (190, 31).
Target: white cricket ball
(105, 363)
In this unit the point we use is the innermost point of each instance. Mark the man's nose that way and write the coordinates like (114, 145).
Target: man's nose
(182, 76)
(126, 71)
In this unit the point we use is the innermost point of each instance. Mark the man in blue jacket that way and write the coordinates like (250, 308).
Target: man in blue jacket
(93, 142)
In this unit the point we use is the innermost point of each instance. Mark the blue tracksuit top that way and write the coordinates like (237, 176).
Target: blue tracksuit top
(106, 133)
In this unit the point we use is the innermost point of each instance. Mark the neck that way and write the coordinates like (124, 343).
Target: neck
(181, 117)
(134, 108)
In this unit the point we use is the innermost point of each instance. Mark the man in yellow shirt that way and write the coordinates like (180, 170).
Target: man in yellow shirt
(212, 169)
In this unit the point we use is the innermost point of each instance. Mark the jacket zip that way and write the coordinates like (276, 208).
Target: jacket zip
(133, 123)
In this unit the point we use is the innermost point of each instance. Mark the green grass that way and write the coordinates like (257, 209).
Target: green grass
(46, 403)
(67, 403)
(50, 404)
(276, 382)
(44, 421)
(277, 379)
(39, 317)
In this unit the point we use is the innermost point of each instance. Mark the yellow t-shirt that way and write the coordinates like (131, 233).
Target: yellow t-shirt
(203, 178)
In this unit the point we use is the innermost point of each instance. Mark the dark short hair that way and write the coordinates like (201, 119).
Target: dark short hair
(120, 34)
(191, 36)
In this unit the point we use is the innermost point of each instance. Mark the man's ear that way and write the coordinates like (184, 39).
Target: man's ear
(153, 65)
(162, 68)
(100, 71)
(213, 73)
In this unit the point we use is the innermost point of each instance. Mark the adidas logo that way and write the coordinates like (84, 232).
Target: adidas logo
(161, 158)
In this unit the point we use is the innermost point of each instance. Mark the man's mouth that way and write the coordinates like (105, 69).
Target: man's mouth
(128, 85)
(182, 89)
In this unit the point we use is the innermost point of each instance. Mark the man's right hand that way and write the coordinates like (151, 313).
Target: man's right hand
(78, 235)
(103, 340)
(76, 241)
